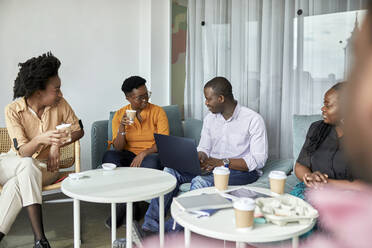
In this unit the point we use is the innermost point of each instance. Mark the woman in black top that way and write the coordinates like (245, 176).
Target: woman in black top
(322, 159)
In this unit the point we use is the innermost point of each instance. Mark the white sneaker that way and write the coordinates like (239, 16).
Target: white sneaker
(137, 237)
(137, 234)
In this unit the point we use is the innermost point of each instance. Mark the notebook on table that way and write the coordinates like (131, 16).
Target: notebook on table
(202, 202)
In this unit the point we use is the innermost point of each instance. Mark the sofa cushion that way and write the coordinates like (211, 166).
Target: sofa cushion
(290, 183)
(109, 128)
(192, 129)
(301, 124)
(174, 120)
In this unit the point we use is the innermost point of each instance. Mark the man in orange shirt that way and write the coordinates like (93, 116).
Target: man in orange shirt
(134, 141)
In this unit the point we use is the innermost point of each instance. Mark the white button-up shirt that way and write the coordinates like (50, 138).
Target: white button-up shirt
(243, 135)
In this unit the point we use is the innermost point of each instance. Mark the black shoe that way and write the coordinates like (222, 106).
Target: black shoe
(120, 216)
(42, 243)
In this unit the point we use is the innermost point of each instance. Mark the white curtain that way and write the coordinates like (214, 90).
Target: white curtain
(263, 48)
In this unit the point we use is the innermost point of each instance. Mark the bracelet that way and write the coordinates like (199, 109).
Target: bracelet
(122, 133)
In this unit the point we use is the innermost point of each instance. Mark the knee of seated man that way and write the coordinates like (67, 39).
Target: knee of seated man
(198, 182)
(170, 171)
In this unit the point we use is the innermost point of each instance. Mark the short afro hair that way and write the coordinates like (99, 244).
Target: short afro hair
(131, 83)
(220, 86)
(34, 74)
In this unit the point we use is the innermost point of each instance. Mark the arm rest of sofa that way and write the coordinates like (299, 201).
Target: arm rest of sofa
(98, 142)
(192, 129)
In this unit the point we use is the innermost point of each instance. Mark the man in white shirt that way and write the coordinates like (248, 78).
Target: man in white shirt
(232, 135)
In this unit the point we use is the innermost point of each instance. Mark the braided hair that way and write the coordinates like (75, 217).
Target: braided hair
(34, 74)
(321, 133)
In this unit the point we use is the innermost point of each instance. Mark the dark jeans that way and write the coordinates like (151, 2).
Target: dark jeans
(124, 158)
(152, 215)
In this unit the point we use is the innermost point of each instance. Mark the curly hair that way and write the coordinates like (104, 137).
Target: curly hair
(34, 74)
(131, 83)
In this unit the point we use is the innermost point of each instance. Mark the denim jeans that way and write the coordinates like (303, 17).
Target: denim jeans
(151, 222)
(124, 158)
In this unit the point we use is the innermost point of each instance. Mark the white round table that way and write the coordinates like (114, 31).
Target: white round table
(118, 186)
(221, 225)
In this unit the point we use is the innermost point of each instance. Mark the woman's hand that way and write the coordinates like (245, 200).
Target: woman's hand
(52, 137)
(125, 121)
(53, 159)
(315, 179)
(138, 160)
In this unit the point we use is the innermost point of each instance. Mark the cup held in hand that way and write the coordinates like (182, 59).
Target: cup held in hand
(277, 182)
(131, 114)
(67, 129)
(221, 177)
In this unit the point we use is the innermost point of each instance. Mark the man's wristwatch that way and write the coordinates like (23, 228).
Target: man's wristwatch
(122, 133)
(226, 162)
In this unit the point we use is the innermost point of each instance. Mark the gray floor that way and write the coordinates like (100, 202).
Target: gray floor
(58, 224)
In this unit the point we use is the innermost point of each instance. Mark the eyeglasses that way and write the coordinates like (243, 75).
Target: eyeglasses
(143, 97)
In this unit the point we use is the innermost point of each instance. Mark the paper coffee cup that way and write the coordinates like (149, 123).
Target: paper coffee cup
(244, 213)
(131, 114)
(64, 127)
(277, 181)
(221, 177)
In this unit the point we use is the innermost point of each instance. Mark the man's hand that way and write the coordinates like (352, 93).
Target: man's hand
(315, 179)
(52, 137)
(202, 159)
(53, 159)
(212, 163)
(138, 160)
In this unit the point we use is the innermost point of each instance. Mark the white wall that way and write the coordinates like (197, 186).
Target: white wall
(99, 44)
(155, 47)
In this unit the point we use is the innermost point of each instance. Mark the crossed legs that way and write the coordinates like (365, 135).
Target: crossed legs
(21, 181)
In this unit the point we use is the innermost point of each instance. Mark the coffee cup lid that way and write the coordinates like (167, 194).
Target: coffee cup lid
(130, 110)
(63, 126)
(245, 203)
(221, 170)
(277, 175)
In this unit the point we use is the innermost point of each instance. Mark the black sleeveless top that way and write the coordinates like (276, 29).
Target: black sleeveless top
(328, 158)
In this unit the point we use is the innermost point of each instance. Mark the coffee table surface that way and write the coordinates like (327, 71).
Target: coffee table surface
(120, 185)
(221, 225)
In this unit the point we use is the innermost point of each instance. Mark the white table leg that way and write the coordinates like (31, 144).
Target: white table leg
(240, 245)
(113, 222)
(161, 220)
(295, 241)
(76, 223)
(187, 237)
(129, 224)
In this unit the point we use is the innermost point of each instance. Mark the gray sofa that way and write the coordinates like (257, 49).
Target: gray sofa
(191, 128)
